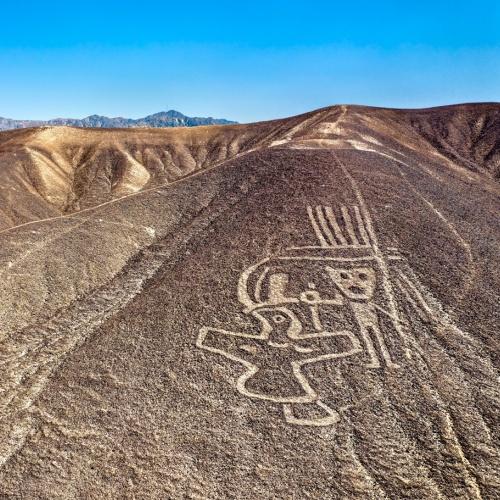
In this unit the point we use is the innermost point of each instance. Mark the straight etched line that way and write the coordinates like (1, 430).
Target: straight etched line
(361, 226)
(348, 225)
(317, 247)
(323, 258)
(336, 228)
(324, 226)
(316, 228)
(417, 293)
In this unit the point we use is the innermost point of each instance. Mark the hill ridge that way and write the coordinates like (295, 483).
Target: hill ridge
(56, 170)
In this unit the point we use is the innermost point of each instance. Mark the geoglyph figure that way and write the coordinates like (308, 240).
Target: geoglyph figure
(331, 302)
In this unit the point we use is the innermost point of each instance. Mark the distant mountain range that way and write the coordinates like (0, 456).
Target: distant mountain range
(170, 118)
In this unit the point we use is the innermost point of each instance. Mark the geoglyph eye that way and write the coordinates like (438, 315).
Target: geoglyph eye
(355, 283)
(278, 318)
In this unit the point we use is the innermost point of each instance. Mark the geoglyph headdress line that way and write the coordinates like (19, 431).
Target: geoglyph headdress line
(336, 234)
(330, 232)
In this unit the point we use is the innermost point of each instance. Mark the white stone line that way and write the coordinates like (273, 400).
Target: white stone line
(258, 285)
(324, 226)
(361, 226)
(336, 228)
(316, 228)
(348, 225)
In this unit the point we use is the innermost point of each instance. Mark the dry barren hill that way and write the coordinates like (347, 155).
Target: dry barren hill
(300, 308)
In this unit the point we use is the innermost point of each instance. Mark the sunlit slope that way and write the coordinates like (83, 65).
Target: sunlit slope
(53, 171)
(59, 170)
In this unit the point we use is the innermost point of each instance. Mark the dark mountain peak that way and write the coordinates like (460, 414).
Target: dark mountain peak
(171, 113)
(99, 117)
(175, 114)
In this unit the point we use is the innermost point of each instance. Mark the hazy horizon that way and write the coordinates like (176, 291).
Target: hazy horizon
(240, 122)
(243, 62)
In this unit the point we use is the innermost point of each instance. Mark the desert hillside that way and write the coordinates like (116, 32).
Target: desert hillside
(298, 308)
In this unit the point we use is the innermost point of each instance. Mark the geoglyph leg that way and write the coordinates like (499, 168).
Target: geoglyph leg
(367, 320)
(330, 415)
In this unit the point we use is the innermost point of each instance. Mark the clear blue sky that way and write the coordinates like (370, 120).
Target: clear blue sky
(247, 60)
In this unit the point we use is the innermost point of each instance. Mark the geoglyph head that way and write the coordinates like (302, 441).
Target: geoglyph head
(356, 283)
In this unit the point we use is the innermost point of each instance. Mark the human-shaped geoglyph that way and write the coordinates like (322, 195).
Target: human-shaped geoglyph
(275, 356)
(329, 302)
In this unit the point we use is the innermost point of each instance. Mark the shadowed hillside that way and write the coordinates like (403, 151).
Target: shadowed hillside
(304, 308)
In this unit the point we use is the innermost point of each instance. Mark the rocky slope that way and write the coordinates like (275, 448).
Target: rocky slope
(301, 308)
(170, 118)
